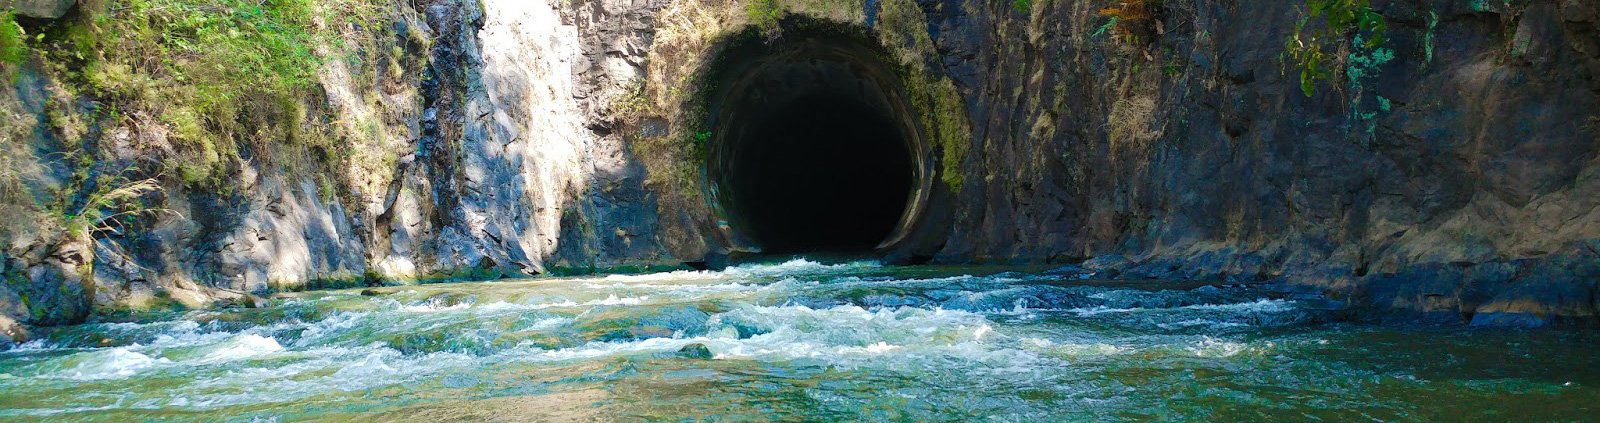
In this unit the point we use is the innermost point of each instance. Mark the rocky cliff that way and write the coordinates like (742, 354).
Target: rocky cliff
(433, 141)
(167, 153)
(1451, 172)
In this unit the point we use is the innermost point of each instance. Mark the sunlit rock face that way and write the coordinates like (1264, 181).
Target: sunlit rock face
(515, 150)
(488, 149)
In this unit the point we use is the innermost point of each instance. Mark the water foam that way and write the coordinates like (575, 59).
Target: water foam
(242, 347)
(949, 330)
(113, 363)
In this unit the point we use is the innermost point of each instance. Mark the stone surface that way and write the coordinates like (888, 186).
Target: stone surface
(1204, 159)
(43, 9)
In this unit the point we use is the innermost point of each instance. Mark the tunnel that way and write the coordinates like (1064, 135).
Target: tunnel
(814, 146)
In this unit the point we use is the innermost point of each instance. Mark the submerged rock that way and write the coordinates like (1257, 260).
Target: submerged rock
(695, 351)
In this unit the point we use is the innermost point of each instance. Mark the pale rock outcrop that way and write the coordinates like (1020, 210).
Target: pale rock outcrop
(42, 9)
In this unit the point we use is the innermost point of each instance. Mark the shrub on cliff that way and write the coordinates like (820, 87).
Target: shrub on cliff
(1137, 22)
(1316, 47)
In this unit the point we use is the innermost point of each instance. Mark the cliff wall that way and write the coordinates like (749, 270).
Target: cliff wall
(169, 153)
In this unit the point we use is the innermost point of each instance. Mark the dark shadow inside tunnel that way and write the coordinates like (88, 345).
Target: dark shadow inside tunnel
(822, 174)
(814, 147)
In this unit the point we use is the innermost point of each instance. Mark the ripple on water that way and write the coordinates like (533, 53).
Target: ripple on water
(851, 341)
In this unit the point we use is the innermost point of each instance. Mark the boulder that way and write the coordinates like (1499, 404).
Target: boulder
(696, 351)
(43, 9)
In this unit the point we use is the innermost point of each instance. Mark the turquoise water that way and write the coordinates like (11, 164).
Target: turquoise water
(800, 341)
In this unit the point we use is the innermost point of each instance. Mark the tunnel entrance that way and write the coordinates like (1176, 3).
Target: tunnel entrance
(823, 174)
(814, 148)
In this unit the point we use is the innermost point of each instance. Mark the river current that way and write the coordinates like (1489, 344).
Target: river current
(795, 341)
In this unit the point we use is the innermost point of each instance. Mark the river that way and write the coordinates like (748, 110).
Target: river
(799, 341)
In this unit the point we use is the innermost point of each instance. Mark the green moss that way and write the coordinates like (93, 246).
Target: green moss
(1364, 65)
(944, 117)
(1427, 38)
(934, 97)
(330, 282)
(157, 308)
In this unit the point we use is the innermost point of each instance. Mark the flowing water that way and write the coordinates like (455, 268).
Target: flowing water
(795, 341)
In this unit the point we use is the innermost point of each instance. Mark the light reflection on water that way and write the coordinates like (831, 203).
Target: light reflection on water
(797, 340)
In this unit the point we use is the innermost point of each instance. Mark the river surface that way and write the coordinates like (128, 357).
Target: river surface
(795, 341)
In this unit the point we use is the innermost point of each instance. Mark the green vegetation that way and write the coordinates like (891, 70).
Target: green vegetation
(903, 29)
(1314, 47)
(632, 101)
(764, 14)
(1427, 40)
(1110, 23)
(1483, 5)
(944, 117)
(12, 45)
(107, 203)
(228, 82)
(1022, 6)
(197, 91)
(1137, 22)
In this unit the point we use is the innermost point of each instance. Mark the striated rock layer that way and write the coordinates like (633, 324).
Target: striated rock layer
(1450, 176)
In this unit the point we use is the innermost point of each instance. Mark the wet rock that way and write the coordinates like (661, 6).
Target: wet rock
(695, 351)
(49, 282)
(11, 333)
(629, 323)
(1106, 266)
(1557, 290)
(252, 301)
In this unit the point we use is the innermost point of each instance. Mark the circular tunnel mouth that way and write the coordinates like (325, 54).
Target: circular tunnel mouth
(814, 148)
(822, 174)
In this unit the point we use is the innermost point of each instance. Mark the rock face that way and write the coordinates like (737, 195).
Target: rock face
(1450, 174)
(1458, 177)
(1454, 177)
(43, 9)
(495, 156)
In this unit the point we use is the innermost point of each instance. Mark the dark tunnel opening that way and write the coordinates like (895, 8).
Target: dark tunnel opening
(823, 174)
(814, 148)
